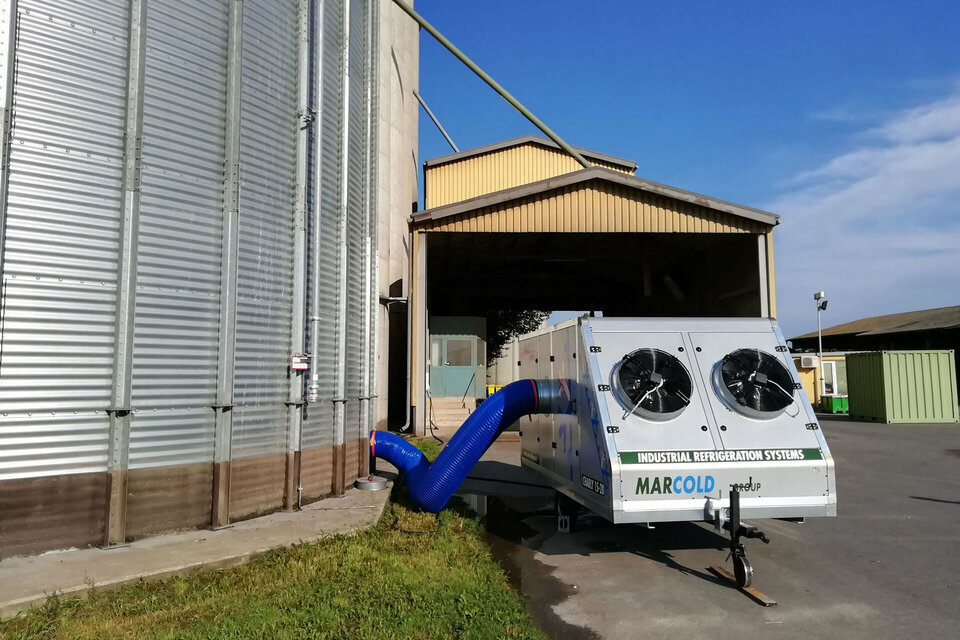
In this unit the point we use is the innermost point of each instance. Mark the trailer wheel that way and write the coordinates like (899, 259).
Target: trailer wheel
(742, 571)
(567, 511)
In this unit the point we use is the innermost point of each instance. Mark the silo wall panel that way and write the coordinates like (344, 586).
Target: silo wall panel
(176, 326)
(268, 143)
(61, 212)
(316, 461)
(316, 465)
(313, 34)
(356, 229)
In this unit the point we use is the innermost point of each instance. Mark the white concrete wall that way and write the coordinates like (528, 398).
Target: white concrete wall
(398, 167)
(504, 369)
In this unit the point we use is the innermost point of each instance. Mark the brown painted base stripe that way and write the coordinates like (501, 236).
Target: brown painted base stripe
(52, 512)
(58, 512)
(352, 468)
(172, 498)
(316, 473)
(257, 485)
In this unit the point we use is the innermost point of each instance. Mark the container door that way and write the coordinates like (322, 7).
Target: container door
(565, 424)
(436, 367)
(548, 436)
(528, 426)
(828, 379)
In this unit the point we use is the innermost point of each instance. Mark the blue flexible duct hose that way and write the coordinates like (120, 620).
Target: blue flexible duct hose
(431, 485)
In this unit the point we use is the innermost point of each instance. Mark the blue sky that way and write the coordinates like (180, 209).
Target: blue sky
(843, 117)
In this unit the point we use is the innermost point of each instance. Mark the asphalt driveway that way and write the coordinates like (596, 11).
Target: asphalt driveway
(887, 567)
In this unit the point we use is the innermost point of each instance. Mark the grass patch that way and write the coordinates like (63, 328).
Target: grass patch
(429, 446)
(413, 575)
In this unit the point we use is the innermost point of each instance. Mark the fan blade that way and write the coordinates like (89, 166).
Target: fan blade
(654, 381)
(741, 380)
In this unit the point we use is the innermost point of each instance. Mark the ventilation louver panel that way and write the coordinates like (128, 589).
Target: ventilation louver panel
(652, 384)
(754, 383)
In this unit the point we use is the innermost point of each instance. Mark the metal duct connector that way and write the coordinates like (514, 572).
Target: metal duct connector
(552, 397)
(431, 485)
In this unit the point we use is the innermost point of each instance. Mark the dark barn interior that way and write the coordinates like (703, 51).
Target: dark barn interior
(620, 274)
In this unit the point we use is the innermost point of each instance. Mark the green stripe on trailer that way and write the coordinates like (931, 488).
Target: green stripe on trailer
(729, 455)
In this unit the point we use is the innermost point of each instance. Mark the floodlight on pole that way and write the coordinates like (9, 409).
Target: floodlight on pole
(821, 299)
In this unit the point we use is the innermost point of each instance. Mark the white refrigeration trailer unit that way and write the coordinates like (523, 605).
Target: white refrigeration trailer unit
(677, 419)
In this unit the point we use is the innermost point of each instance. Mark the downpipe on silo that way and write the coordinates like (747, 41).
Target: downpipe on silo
(430, 486)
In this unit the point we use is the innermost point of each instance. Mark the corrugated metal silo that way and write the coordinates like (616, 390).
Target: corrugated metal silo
(186, 186)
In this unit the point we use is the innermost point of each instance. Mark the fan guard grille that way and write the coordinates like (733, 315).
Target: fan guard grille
(652, 384)
(755, 383)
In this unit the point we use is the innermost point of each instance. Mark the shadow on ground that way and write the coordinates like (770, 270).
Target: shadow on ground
(520, 521)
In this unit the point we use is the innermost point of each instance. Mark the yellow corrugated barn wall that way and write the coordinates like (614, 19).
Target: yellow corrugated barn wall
(511, 167)
(596, 207)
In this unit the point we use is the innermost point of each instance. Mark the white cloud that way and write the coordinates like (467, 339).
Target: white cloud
(841, 114)
(878, 226)
(925, 122)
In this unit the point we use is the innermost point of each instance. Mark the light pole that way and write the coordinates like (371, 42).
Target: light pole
(821, 299)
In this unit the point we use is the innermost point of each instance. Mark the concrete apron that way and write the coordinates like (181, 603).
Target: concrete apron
(27, 581)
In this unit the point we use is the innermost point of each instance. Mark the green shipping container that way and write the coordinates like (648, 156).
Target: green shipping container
(902, 386)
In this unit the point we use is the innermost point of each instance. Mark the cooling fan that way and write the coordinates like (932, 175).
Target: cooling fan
(652, 384)
(754, 383)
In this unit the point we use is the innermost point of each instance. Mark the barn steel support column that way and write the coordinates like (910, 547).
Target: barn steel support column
(418, 333)
(771, 280)
(119, 411)
(291, 493)
(764, 275)
(340, 400)
(223, 425)
(8, 42)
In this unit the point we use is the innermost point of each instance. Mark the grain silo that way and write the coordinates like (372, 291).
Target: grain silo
(191, 222)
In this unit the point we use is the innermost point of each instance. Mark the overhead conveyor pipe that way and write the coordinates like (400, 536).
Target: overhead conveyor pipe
(473, 66)
(443, 132)
(431, 485)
